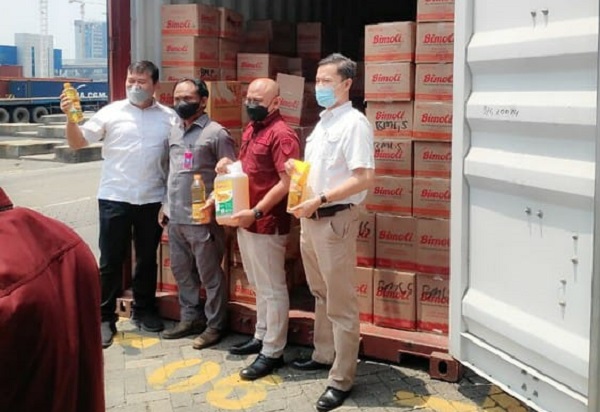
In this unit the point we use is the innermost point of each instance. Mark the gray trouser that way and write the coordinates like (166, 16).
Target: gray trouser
(196, 256)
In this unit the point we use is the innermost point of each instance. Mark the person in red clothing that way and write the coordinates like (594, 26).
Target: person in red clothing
(267, 143)
(50, 349)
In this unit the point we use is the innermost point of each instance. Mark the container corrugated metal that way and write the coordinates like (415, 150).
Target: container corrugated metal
(8, 55)
(11, 71)
(53, 88)
(522, 196)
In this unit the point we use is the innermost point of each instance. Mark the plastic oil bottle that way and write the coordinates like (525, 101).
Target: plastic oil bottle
(231, 194)
(199, 201)
(75, 115)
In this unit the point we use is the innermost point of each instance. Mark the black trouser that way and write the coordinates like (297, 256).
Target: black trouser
(117, 219)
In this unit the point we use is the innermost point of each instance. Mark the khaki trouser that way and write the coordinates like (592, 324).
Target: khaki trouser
(329, 255)
(263, 257)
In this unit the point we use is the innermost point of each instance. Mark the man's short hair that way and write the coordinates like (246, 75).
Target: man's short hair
(345, 66)
(201, 88)
(144, 66)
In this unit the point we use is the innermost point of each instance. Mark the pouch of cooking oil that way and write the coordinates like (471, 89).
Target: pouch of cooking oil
(298, 184)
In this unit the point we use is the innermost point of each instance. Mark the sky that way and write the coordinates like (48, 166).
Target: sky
(23, 16)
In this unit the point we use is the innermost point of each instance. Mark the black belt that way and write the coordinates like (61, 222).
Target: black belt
(329, 211)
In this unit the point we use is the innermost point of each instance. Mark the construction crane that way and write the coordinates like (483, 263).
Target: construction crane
(44, 31)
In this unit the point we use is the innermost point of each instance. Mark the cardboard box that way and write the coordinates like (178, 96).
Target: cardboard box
(277, 36)
(395, 245)
(239, 287)
(228, 51)
(164, 93)
(433, 246)
(294, 66)
(432, 159)
(433, 301)
(245, 118)
(365, 240)
(391, 119)
(189, 20)
(167, 280)
(363, 282)
(431, 197)
(390, 194)
(432, 121)
(231, 24)
(190, 51)
(434, 82)
(174, 74)
(251, 66)
(228, 74)
(296, 108)
(389, 82)
(303, 133)
(435, 43)
(309, 40)
(236, 134)
(435, 10)
(390, 42)
(224, 101)
(394, 303)
(393, 157)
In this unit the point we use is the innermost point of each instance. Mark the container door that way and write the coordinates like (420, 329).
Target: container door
(523, 193)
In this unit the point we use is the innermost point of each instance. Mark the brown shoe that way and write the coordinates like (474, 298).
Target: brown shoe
(184, 328)
(207, 338)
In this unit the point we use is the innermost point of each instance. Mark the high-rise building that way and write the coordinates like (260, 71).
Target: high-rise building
(35, 52)
(91, 40)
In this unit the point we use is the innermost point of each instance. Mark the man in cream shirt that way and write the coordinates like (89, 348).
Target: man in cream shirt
(340, 152)
(135, 133)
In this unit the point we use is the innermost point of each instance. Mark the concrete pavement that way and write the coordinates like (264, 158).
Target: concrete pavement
(145, 373)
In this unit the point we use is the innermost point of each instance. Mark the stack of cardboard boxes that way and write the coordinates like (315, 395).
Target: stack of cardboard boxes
(404, 236)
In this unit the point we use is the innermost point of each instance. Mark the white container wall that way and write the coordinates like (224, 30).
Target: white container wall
(523, 196)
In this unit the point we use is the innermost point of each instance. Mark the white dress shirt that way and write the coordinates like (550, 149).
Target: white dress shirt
(135, 150)
(341, 142)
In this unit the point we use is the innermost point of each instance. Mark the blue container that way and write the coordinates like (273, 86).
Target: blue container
(53, 88)
(8, 55)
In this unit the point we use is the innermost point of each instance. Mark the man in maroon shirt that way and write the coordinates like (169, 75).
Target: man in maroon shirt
(267, 143)
(50, 349)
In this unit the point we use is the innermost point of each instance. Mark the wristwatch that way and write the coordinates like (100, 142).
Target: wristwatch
(323, 198)
(257, 213)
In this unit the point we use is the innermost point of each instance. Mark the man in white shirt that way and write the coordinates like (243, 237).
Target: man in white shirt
(135, 133)
(340, 152)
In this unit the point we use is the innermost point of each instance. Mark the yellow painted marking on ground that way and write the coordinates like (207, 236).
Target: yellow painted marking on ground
(206, 372)
(495, 401)
(254, 392)
(135, 340)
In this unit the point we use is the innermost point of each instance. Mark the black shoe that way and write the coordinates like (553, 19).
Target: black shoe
(262, 366)
(185, 328)
(331, 399)
(149, 321)
(309, 365)
(247, 348)
(107, 331)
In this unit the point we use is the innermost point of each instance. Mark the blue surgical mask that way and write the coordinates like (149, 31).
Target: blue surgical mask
(137, 95)
(325, 96)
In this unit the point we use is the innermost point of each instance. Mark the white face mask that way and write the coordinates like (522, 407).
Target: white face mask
(137, 95)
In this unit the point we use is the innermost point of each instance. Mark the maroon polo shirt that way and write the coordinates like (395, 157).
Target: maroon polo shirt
(50, 348)
(266, 146)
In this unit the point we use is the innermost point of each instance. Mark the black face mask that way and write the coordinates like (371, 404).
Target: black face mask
(257, 112)
(186, 110)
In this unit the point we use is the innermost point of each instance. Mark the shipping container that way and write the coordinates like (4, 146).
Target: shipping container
(524, 266)
(8, 55)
